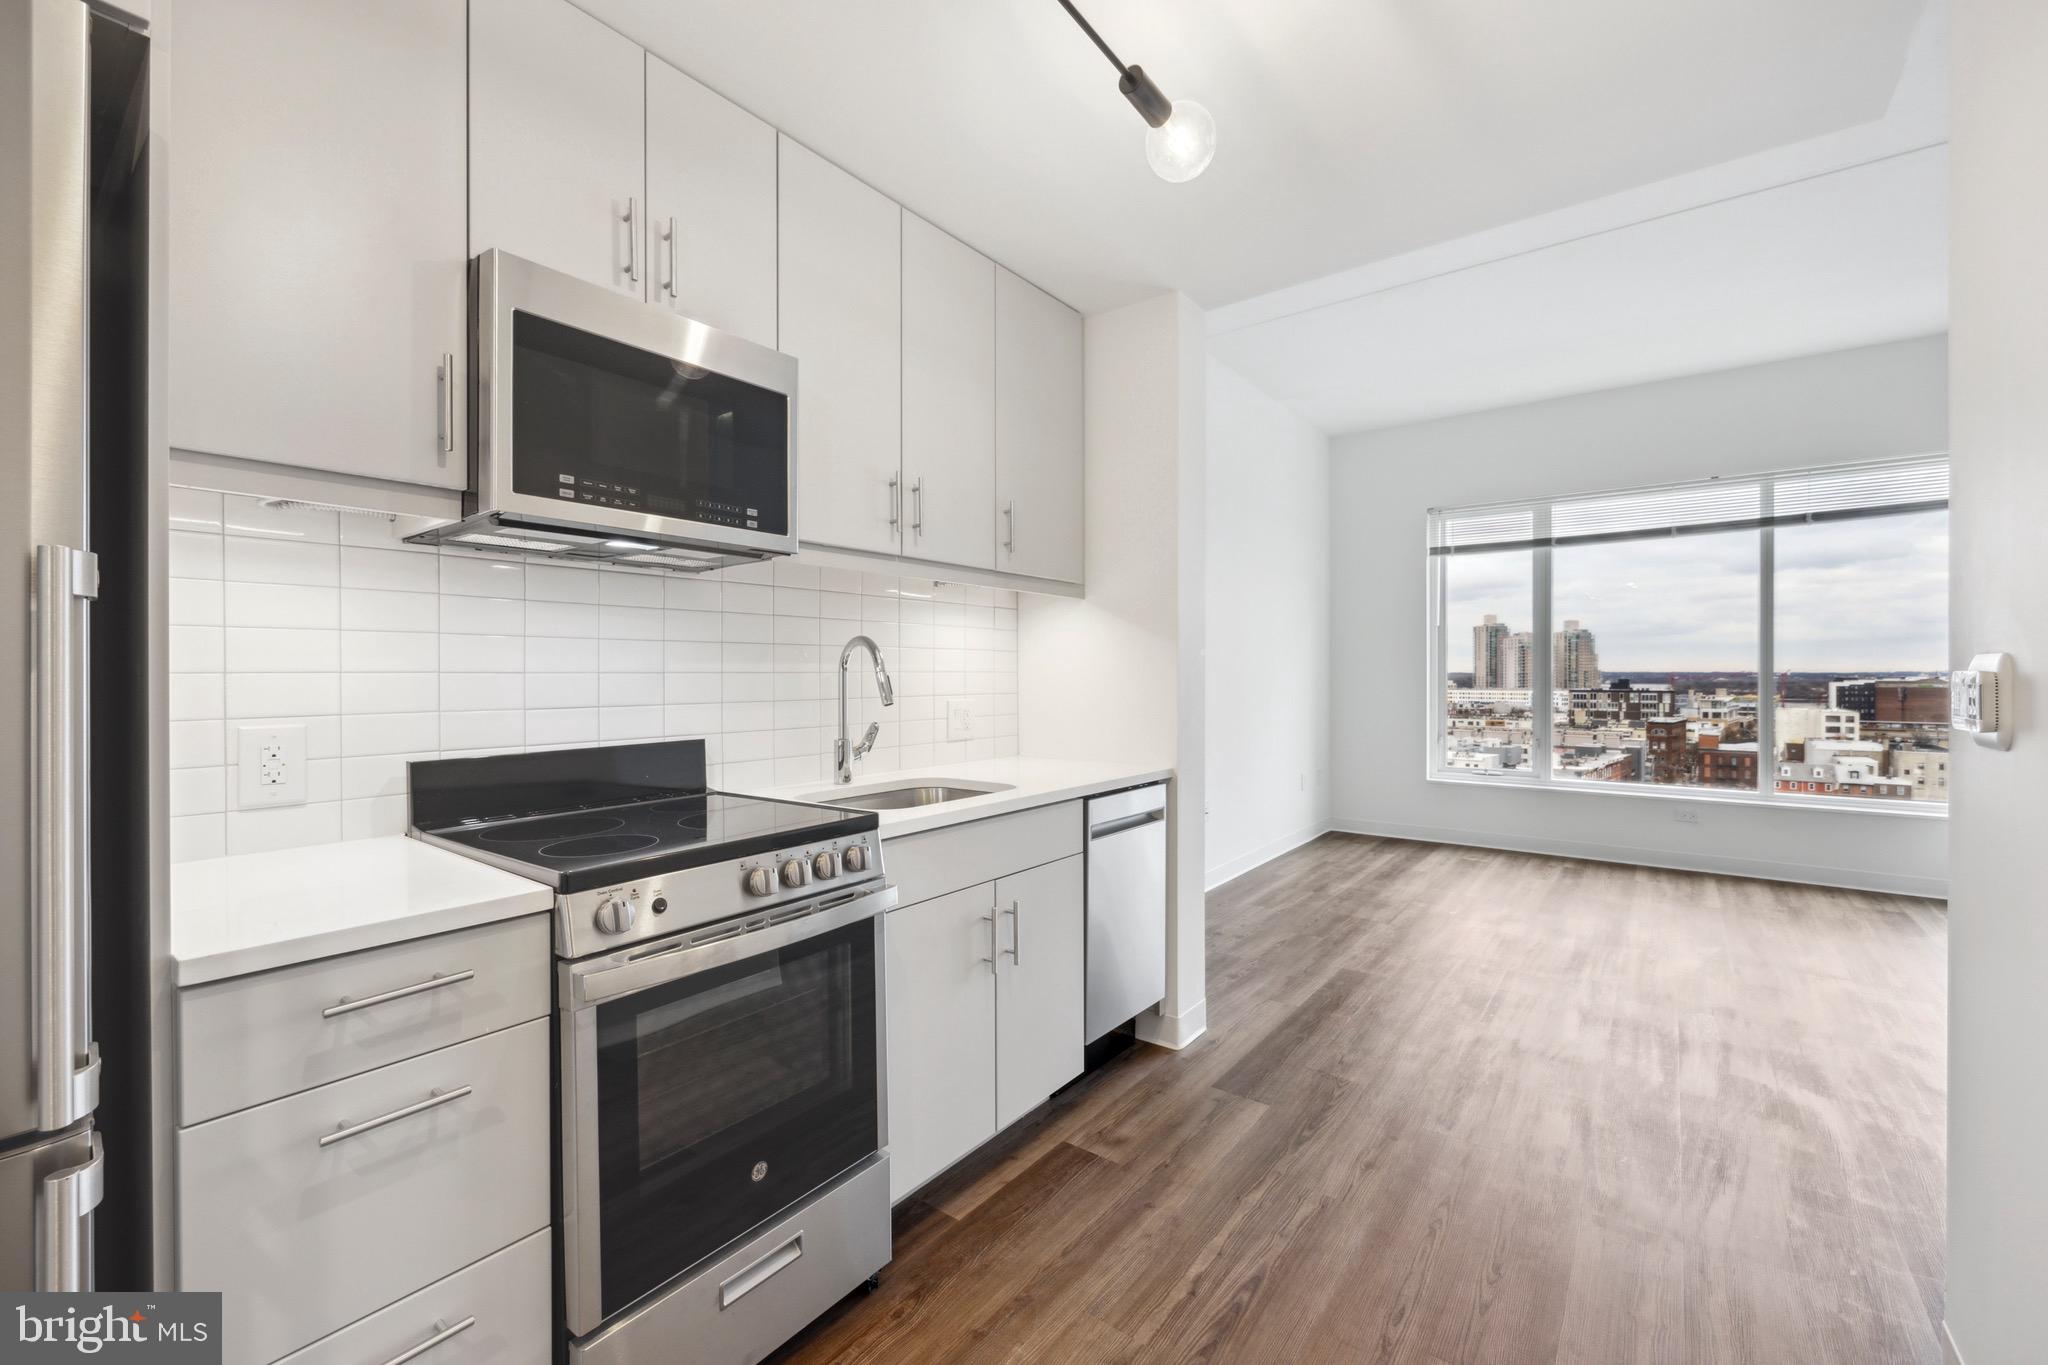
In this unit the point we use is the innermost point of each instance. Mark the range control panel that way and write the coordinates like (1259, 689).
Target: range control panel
(655, 907)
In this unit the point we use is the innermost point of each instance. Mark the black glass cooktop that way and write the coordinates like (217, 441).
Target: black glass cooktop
(576, 850)
(577, 819)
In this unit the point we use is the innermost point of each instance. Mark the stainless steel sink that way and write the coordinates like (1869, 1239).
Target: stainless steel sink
(903, 798)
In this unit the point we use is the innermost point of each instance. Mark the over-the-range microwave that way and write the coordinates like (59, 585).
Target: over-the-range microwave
(606, 428)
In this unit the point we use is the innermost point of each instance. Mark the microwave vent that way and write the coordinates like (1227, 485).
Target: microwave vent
(493, 533)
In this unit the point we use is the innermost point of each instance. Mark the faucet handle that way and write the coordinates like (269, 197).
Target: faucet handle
(867, 741)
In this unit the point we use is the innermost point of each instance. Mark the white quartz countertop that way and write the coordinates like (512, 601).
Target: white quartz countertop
(1030, 782)
(255, 911)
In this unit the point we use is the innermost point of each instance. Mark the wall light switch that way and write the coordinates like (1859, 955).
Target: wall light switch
(271, 767)
(959, 721)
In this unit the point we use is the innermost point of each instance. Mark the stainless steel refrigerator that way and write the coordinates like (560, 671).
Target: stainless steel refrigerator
(73, 475)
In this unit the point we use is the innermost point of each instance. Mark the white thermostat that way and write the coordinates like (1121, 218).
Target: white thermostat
(1980, 700)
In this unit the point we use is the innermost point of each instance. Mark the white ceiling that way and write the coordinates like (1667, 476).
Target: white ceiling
(1350, 130)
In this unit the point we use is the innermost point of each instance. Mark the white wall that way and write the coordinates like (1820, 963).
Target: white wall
(1117, 674)
(1998, 911)
(1868, 403)
(1268, 608)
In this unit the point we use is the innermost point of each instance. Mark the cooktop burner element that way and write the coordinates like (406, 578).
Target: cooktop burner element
(595, 846)
(547, 830)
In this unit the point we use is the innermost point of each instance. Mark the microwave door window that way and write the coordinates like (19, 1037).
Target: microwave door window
(726, 1096)
(601, 423)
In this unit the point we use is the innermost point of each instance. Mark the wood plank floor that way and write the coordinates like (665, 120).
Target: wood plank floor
(1457, 1106)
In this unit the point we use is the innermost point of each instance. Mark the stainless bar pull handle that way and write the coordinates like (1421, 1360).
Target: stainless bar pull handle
(432, 983)
(63, 1240)
(67, 1064)
(444, 420)
(895, 502)
(917, 507)
(1010, 526)
(441, 1334)
(1016, 936)
(668, 235)
(433, 1101)
(731, 1291)
(632, 240)
(990, 920)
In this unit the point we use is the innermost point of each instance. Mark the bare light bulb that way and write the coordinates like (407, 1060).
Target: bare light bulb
(1182, 147)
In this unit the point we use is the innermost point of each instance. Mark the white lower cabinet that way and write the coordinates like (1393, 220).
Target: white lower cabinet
(496, 1312)
(1040, 994)
(314, 1211)
(984, 1013)
(942, 1034)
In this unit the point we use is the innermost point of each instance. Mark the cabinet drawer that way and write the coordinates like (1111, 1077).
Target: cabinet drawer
(503, 1298)
(307, 1217)
(256, 1038)
(943, 860)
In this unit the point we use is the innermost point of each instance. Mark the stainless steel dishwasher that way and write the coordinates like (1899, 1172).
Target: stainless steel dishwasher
(1126, 906)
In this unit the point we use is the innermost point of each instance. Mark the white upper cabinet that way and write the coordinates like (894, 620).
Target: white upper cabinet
(710, 206)
(317, 279)
(1039, 461)
(841, 300)
(949, 398)
(557, 115)
(1041, 939)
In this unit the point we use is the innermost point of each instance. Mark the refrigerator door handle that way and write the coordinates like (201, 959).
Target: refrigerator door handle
(67, 1061)
(63, 1228)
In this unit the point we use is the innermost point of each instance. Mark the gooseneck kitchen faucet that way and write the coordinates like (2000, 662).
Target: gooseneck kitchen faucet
(842, 755)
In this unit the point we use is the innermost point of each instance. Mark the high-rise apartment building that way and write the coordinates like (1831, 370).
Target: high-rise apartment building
(1518, 663)
(1576, 661)
(1489, 654)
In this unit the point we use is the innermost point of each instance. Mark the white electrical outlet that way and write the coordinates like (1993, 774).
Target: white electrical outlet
(959, 721)
(271, 765)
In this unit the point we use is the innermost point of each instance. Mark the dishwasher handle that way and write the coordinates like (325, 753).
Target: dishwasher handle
(1127, 822)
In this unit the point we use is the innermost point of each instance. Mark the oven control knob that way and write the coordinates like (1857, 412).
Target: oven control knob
(793, 873)
(759, 883)
(855, 858)
(822, 866)
(616, 915)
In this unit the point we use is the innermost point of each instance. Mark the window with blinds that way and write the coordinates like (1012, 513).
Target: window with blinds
(1777, 636)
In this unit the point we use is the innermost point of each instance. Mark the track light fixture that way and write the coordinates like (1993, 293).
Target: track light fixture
(1181, 138)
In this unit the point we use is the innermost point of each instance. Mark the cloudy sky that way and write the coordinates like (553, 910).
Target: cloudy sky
(1852, 597)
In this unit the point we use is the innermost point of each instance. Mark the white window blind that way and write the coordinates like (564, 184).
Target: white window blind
(1732, 504)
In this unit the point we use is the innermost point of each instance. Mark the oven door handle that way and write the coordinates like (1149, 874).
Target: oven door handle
(587, 983)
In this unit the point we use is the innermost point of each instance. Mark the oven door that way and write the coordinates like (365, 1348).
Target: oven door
(710, 1085)
(595, 410)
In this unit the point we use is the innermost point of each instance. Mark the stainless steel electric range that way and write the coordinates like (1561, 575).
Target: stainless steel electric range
(721, 1111)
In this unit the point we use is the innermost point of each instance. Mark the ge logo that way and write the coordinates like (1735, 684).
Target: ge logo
(760, 1171)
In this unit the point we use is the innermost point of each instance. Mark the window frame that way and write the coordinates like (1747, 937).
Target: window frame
(1538, 774)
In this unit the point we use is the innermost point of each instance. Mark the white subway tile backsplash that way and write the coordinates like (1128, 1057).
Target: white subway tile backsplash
(195, 602)
(376, 609)
(386, 693)
(483, 653)
(258, 695)
(389, 570)
(389, 652)
(393, 733)
(274, 649)
(385, 651)
(252, 559)
(467, 575)
(552, 691)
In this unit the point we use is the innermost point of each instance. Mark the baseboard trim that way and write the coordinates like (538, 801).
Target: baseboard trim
(1175, 1030)
(1949, 1354)
(1263, 854)
(1850, 879)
